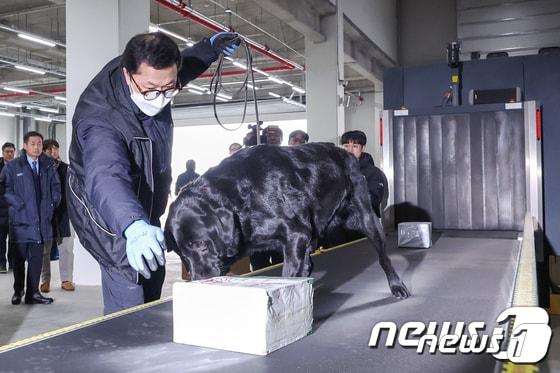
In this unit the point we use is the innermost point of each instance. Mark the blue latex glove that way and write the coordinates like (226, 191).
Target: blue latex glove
(225, 42)
(144, 242)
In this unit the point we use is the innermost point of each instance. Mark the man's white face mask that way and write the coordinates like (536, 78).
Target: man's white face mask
(151, 107)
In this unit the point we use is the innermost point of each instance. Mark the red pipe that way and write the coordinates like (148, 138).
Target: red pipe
(51, 91)
(239, 72)
(539, 125)
(381, 131)
(185, 12)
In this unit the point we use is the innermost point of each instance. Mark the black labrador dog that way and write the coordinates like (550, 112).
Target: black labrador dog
(273, 198)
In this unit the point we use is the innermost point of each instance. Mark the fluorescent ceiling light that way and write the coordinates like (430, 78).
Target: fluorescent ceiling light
(292, 102)
(223, 95)
(9, 104)
(274, 94)
(46, 109)
(155, 28)
(221, 99)
(30, 69)
(36, 39)
(298, 89)
(250, 86)
(43, 119)
(60, 98)
(195, 91)
(275, 79)
(4, 114)
(194, 86)
(239, 64)
(260, 72)
(18, 90)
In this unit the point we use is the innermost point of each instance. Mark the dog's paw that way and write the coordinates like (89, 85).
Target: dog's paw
(399, 290)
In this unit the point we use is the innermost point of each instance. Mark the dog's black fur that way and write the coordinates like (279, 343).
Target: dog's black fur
(273, 198)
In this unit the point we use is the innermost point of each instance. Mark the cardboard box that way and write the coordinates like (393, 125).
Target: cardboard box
(254, 315)
(415, 234)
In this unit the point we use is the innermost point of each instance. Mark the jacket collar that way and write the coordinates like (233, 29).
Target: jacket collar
(44, 160)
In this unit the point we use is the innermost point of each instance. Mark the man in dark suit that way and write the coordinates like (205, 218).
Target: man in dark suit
(187, 176)
(62, 239)
(8, 153)
(32, 192)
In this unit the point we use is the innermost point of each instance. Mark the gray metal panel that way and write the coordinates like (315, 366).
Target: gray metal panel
(466, 171)
(507, 11)
(410, 161)
(477, 175)
(424, 164)
(489, 172)
(515, 26)
(436, 161)
(504, 171)
(398, 160)
(463, 161)
(449, 136)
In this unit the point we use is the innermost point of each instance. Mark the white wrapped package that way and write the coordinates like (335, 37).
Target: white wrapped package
(415, 234)
(254, 315)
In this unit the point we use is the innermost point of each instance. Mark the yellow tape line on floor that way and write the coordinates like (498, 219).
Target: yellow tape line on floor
(67, 329)
(83, 324)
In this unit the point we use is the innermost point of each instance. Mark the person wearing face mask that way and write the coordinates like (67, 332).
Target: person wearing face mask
(119, 175)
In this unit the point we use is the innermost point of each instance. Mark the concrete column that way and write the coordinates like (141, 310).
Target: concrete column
(325, 112)
(96, 32)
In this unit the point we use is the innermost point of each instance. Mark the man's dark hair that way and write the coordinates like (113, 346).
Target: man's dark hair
(49, 144)
(356, 137)
(155, 49)
(31, 134)
(8, 145)
(191, 165)
(299, 133)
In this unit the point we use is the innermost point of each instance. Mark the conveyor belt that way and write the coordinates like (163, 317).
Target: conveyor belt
(461, 278)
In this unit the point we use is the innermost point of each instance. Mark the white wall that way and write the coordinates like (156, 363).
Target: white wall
(8, 131)
(377, 19)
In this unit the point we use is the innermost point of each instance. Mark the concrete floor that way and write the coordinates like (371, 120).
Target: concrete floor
(70, 307)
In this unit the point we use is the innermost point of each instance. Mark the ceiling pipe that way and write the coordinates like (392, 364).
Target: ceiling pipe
(50, 92)
(210, 24)
(240, 72)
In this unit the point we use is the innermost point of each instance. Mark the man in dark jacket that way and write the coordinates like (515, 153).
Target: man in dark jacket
(8, 153)
(61, 229)
(354, 142)
(187, 176)
(33, 192)
(119, 176)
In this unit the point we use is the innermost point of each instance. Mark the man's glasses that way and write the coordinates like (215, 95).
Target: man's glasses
(152, 94)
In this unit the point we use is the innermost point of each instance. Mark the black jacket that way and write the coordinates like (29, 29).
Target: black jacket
(61, 222)
(3, 202)
(120, 160)
(185, 178)
(28, 223)
(376, 181)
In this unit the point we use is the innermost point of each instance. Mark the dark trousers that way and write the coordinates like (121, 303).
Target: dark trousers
(33, 254)
(11, 247)
(264, 259)
(120, 293)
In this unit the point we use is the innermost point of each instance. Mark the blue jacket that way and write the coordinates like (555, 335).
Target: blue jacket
(120, 160)
(28, 223)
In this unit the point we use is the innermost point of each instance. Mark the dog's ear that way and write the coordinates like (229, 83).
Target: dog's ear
(170, 242)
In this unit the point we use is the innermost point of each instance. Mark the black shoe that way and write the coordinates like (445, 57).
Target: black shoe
(37, 298)
(16, 298)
